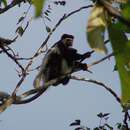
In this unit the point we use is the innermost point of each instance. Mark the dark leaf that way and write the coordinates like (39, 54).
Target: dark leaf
(55, 2)
(106, 114)
(77, 122)
(20, 19)
(62, 3)
(100, 115)
(48, 18)
(48, 29)
(78, 128)
(46, 13)
(96, 128)
(20, 30)
(119, 125)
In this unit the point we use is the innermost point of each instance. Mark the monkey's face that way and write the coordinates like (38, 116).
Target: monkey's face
(68, 42)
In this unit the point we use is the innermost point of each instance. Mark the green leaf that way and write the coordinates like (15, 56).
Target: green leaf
(38, 4)
(4, 2)
(121, 48)
(96, 28)
(126, 11)
(122, 26)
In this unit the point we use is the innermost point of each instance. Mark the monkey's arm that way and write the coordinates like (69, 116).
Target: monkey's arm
(76, 56)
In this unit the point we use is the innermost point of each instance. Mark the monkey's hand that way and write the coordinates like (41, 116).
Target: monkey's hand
(84, 66)
(87, 54)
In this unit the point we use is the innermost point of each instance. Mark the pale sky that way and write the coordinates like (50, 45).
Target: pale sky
(59, 106)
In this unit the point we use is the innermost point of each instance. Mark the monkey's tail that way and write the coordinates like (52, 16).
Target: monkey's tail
(30, 99)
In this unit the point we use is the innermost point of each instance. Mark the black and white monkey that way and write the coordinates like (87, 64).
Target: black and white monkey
(60, 60)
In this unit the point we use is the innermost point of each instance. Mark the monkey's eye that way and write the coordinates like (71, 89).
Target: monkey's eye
(69, 40)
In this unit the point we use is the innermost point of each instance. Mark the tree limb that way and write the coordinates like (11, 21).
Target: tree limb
(38, 52)
(100, 84)
(11, 5)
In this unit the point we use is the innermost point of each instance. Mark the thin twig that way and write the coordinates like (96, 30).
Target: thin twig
(100, 84)
(12, 57)
(99, 61)
(9, 48)
(65, 16)
(125, 120)
(11, 5)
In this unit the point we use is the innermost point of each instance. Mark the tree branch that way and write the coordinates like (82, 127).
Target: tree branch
(100, 84)
(99, 61)
(37, 92)
(12, 57)
(11, 5)
(126, 115)
(38, 52)
(65, 16)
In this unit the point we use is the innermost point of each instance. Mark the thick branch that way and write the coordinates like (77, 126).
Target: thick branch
(36, 92)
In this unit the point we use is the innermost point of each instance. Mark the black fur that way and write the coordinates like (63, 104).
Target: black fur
(61, 60)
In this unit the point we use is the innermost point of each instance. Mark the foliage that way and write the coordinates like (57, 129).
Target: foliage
(108, 18)
(103, 124)
(96, 28)
(105, 17)
(38, 6)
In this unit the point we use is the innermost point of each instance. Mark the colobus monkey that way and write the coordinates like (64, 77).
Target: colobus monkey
(61, 59)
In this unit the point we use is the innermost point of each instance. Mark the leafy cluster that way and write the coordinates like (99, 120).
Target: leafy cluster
(105, 18)
(103, 124)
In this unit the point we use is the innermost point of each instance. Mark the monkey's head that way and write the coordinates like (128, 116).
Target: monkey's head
(67, 40)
